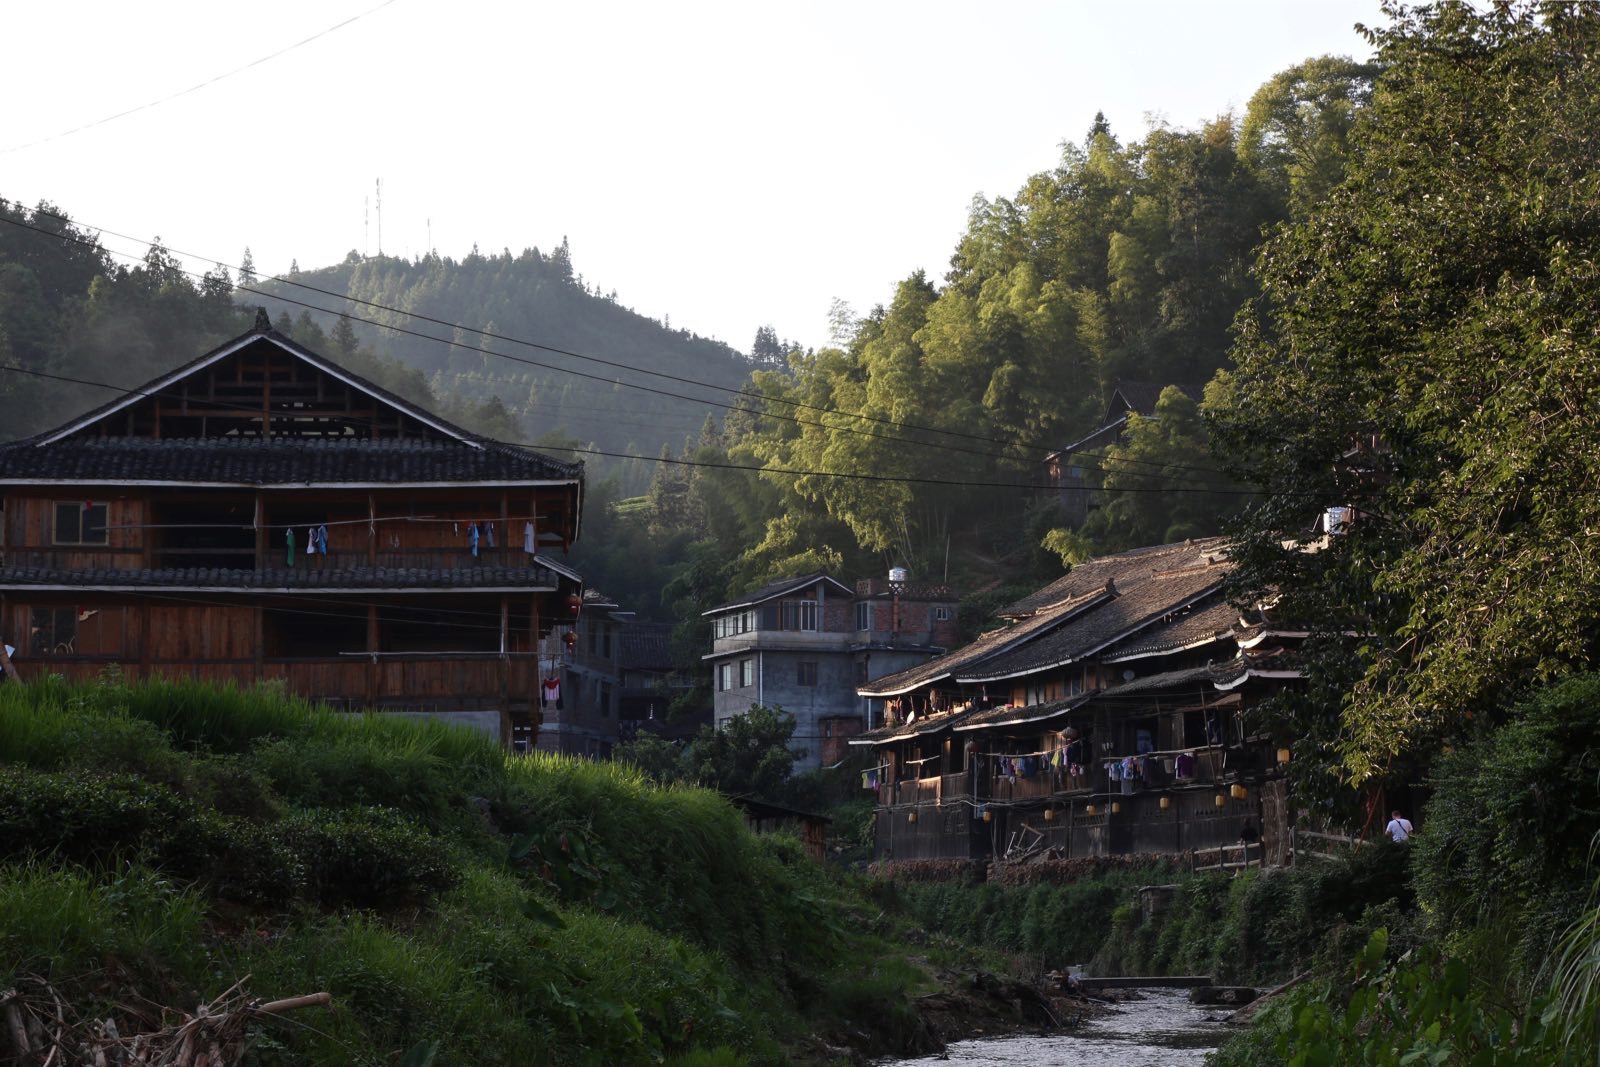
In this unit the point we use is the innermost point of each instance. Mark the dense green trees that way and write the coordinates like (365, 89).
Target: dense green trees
(748, 757)
(1424, 350)
(531, 296)
(66, 310)
(1125, 262)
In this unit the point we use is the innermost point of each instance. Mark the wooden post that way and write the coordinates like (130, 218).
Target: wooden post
(506, 719)
(262, 545)
(372, 661)
(535, 712)
(372, 530)
(505, 523)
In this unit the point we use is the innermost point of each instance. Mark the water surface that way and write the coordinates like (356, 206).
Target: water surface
(1162, 1029)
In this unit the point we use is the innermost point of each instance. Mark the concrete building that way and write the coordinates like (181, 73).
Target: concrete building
(805, 644)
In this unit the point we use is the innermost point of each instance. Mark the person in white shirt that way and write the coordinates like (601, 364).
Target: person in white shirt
(1399, 828)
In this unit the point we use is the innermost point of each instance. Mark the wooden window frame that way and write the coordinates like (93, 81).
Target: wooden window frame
(54, 646)
(83, 510)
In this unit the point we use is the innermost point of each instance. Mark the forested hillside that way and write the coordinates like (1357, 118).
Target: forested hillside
(76, 327)
(494, 302)
(920, 434)
(920, 430)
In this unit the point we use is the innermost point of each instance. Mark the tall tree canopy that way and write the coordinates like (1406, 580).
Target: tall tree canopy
(1425, 350)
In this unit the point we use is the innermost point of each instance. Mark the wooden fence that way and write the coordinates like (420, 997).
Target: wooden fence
(1228, 857)
(1322, 846)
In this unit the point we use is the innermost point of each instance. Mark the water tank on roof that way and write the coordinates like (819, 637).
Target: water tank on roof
(898, 576)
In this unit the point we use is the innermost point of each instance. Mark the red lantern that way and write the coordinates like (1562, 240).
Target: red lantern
(574, 603)
(570, 639)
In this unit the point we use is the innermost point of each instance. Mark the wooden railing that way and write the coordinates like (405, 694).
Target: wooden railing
(1228, 857)
(1320, 845)
(932, 790)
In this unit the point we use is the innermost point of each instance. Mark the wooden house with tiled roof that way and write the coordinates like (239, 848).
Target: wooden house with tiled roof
(263, 514)
(1109, 714)
(1069, 472)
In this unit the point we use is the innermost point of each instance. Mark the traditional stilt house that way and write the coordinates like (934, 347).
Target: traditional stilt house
(262, 514)
(1110, 716)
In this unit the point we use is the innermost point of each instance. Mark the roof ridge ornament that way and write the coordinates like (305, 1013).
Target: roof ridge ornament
(263, 323)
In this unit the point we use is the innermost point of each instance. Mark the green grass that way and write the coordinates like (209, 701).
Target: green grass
(158, 842)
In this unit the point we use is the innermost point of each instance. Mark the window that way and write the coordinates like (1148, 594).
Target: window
(747, 673)
(861, 672)
(941, 613)
(52, 631)
(724, 677)
(738, 623)
(864, 615)
(79, 523)
(799, 615)
(805, 673)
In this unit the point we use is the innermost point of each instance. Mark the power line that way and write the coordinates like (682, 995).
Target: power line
(531, 362)
(198, 86)
(853, 475)
(744, 393)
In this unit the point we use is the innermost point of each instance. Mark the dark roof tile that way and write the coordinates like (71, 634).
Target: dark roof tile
(1138, 603)
(275, 461)
(1212, 620)
(293, 578)
(1123, 568)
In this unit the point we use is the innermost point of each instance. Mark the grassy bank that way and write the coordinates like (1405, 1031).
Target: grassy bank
(160, 842)
(1254, 927)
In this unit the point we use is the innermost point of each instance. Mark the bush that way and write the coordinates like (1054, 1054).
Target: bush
(1501, 861)
(358, 856)
(365, 857)
(1060, 923)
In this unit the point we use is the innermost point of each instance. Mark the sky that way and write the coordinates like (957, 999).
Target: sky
(725, 165)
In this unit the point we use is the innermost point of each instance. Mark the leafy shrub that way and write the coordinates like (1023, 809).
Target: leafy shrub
(364, 857)
(1061, 923)
(356, 856)
(1426, 1010)
(1501, 861)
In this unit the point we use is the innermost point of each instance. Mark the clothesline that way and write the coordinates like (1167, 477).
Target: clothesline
(1018, 755)
(294, 525)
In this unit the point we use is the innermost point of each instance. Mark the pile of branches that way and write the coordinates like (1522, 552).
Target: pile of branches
(39, 1028)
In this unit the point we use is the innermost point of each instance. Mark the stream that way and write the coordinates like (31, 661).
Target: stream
(1159, 1029)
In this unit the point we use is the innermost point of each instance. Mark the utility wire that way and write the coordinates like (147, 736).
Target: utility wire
(744, 393)
(198, 86)
(759, 469)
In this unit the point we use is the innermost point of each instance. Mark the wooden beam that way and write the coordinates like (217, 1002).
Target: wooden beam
(372, 661)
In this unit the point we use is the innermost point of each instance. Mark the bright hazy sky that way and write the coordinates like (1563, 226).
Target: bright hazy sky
(730, 165)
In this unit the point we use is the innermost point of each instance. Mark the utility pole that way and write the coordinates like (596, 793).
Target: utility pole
(378, 200)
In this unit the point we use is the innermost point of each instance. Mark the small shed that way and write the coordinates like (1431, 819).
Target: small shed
(764, 817)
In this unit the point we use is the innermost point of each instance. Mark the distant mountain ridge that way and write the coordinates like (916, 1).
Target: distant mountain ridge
(537, 298)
